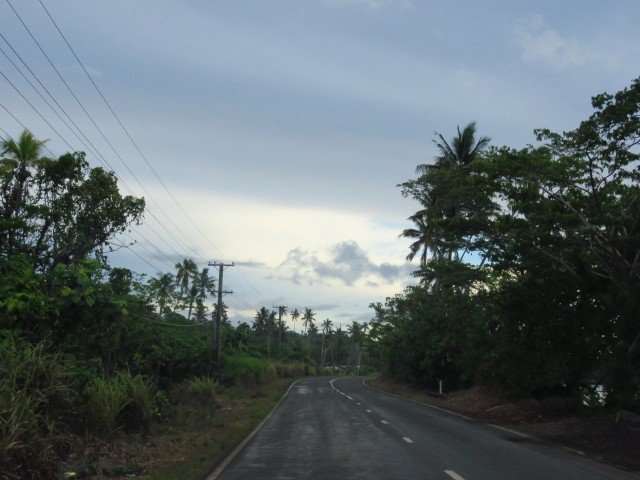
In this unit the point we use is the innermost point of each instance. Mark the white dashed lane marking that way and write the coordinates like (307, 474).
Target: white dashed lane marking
(407, 439)
(453, 475)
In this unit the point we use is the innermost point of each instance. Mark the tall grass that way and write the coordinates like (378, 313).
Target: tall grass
(246, 371)
(291, 369)
(36, 403)
(138, 412)
(121, 401)
(105, 399)
(203, 390)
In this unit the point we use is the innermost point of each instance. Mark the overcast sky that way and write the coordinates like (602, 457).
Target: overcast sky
(278, 130)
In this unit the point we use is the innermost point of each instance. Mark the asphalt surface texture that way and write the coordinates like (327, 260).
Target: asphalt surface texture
(338, 428)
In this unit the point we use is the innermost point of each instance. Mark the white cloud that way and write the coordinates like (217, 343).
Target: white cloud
(540, 44)
(252, 229)
(345, 261)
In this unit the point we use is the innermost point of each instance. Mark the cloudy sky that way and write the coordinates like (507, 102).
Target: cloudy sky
(273, 133)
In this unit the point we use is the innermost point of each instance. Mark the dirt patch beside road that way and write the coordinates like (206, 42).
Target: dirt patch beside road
(601, 437)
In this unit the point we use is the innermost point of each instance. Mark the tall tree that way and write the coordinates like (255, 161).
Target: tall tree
(162, 288)
(423, 236)
(354, 330)
(282, 328)
(59, 210)
(18, 159)
(203, 284)
(462, 150)
(573, 205)
(307, 319)
(186, 275)
(261, 322)
(448, 193)
(295, 315)
(326, 331)
(337, 345)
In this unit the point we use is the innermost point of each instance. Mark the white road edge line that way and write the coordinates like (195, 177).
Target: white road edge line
(419, 403)
(349, 397)
(573, 450)
(216, 473)
(509, 430)
(408, 440)
(453, 475)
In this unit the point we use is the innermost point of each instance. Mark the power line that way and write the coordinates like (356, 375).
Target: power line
(35, 110)
(21, 124)
(251, 287)
(126, 132)
(95, 125)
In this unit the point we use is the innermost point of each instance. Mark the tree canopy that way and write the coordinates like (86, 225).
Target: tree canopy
(534, 274)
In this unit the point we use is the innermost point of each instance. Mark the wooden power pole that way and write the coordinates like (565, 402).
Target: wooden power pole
(220, 267)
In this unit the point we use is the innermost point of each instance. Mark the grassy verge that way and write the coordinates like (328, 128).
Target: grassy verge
(194, 441)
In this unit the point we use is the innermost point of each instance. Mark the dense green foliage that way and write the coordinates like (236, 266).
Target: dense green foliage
(87, 350)
(529, 263)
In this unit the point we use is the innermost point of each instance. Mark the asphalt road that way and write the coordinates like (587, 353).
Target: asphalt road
(340, 429)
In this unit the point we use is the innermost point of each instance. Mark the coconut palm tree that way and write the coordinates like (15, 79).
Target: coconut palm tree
(201, 285)
(462, 150)
(260, 321)
(453, 156)
(204, 284)
(326, 330)
(186, 273)
(271, 324)
(354, 330)
(17, 158)
(338, 340)
(162, 288)
(295, 315)
(424, 237)
(307, 319)
(282, 332)
(282, 311)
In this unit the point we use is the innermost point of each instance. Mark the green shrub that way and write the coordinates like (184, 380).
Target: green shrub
(203, 391)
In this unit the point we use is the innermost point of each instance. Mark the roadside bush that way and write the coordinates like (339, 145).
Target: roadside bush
(246, 371)
(122, 401)
(136, 414)
(290, 369)
(105, 399)
(36, 404)
(200, 391)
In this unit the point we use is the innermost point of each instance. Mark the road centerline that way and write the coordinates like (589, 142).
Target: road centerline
(453, 475)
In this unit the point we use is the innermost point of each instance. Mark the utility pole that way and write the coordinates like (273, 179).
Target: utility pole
(220, 267)
(282, 310)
